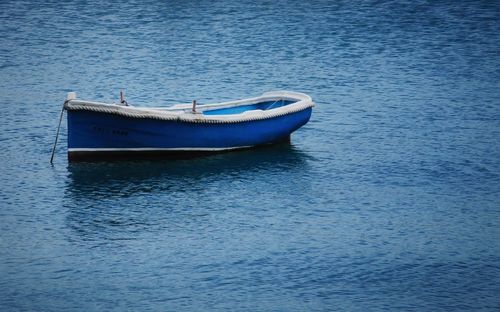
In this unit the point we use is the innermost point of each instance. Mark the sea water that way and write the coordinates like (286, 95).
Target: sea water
(388, 199)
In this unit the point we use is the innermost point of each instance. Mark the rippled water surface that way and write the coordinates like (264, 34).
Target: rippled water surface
(388, 199)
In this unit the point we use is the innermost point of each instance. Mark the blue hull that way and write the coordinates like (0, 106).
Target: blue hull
(98, 135)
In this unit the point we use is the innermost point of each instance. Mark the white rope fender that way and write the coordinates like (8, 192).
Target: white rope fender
(182, 114)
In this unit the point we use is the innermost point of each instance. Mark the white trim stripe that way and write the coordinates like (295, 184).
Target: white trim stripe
(154, 149)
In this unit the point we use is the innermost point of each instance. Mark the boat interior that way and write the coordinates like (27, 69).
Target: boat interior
(267, 105)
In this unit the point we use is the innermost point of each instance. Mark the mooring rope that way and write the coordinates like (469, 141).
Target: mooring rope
(57, 133)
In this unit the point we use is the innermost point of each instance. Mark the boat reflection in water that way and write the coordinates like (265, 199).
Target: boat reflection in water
(120, 200)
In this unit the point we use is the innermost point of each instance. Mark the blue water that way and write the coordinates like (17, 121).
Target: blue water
(388, 199)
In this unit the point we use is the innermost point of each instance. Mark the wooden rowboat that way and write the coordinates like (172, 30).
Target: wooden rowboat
(100, 130)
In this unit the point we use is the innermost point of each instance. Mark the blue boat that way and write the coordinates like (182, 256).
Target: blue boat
(99, 130)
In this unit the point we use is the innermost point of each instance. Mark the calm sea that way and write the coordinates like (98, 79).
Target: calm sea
(388, 199)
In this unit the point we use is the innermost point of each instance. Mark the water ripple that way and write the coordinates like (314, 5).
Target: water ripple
(387, 199)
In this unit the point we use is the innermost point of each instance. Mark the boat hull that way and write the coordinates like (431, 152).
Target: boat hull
(97, 135)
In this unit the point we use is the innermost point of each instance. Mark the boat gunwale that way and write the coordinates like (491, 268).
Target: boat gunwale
(182, 112)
